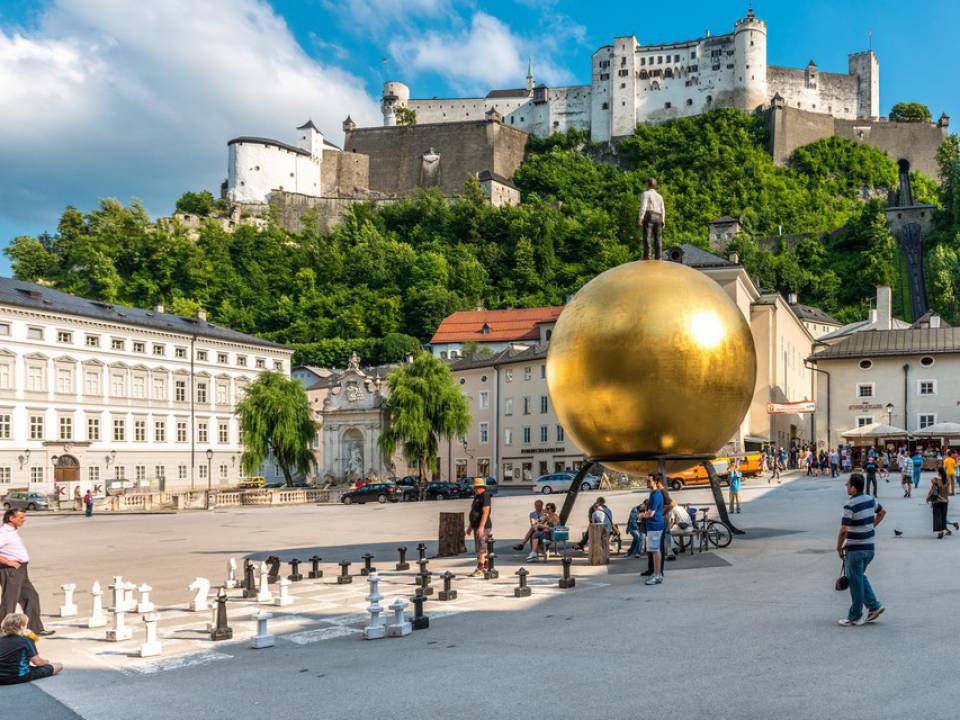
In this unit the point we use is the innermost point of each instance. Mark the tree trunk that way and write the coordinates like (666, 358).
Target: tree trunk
(421, 479)
(451, 538)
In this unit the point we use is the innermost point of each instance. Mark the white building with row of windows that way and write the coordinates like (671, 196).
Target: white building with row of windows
(94, 395)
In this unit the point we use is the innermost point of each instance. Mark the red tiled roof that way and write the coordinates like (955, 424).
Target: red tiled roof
(502, 325)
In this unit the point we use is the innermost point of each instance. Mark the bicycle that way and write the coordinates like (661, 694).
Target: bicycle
(711, 532)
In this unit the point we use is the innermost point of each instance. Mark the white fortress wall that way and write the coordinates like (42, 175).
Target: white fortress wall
(255, 169)
(830, 93)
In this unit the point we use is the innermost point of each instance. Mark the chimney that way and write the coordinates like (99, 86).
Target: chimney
(202, 315)
(791, 298)
(159, 309)
(884, 307)
(735, 258)
(934, 321)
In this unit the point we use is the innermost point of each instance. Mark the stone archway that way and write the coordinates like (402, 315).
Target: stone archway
(67, 469)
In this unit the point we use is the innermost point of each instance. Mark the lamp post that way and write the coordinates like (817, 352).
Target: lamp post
(209, 468)
(889, 409)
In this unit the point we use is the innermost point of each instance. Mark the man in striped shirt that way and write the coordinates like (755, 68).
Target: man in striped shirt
(861, 515)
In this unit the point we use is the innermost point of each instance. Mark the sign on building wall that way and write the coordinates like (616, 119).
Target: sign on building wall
(804, 406)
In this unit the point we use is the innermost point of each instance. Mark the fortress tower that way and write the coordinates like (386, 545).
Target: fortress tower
(750, 62)
(866, 68)
(310, 139)
(395, 95)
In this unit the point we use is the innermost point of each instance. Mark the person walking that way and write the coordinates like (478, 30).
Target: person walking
(14, 577)
(917, 461)
(481, 525)
(88, 502)
(870, 467)
(855, 546)
(939, 502)
(651, 219)
(736, 477)
(775, 467)
(950, 468)
(906, 473)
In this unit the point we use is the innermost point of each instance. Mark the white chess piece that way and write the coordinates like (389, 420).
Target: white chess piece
(119, 631)
(262, 639)
(151, 646)
(202, 588)
(231, 575)
(96, 618)
(399, 627)
(68, 609)
(117, 588)
(376, 629)
(129, 604)
(263, 589)
(284, 598)
(146, 604)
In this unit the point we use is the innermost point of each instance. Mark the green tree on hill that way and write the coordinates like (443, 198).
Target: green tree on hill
(910, 112)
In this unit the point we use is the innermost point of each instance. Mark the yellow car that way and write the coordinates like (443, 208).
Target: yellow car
(252, 482)
(750, 464)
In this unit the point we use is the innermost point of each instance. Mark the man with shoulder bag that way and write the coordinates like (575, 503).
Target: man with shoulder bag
(855, 546)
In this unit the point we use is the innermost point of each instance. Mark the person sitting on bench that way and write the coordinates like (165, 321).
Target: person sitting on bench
(536, 517)
(543, 532)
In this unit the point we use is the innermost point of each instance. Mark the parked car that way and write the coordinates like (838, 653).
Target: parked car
(374, 492)
(303, 484)
(26, 501)
(697, 475)
(560, 482)
(251, 482)
(274, 485)
(467, 484)
(446, 491)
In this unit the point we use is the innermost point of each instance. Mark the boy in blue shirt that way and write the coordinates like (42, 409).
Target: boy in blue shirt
(736, 477)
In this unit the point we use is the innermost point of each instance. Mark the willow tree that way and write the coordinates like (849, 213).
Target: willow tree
(276, 422)
(424, 405)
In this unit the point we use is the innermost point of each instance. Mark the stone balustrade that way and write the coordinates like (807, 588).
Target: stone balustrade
(206, 500)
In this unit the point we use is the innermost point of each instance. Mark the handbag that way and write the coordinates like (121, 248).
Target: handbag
(842, 582)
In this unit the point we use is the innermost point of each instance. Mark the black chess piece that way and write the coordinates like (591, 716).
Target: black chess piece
(222, 631)
(344, 578)
(522, 590)
(315, 571)
(447, 593)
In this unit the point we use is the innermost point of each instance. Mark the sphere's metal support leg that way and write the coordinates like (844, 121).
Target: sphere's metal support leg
(573, 491)
(718, 498)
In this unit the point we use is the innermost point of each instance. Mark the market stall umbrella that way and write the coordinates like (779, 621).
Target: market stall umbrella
(941, 430)
(875, 431)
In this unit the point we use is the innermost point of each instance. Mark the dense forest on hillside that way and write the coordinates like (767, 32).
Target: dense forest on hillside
(387, 275)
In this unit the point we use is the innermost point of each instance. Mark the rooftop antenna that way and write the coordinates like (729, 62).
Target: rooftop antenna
(870, 40)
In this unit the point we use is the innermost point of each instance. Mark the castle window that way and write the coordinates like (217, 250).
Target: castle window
(659, 59)
(622, 85)
(730, 67)
(693, 53)
(605, 106)
(291, 174)
(751, 43)
(676, 58)
(709, 99)
(666, 106)
(256, 167)
(715, 67)
(643, 61)
(689, 102)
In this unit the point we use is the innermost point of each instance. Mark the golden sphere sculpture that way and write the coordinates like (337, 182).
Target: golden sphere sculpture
(651, 357)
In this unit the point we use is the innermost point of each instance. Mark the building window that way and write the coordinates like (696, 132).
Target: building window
(508, 375)
(864, 390)
(118, 344)
(925, 420)
(201, 355)
(181, 431)
(160, 472)
(544, 402)
(526, 436)
(140, 473)
(160, 431)
(119, 430)
(866, 364)
(203, 472)
(36, 376)
(484, 432)
(223, 433)
(508, 406)
(278, 364)
(5, 329)
(526, 406)
(4, 476)
(181, 472)
(93, 429)
(864, 420)
(180, 390)
(224, 471)
(159, 389)
(139, 430)
(36, 475)
(64, 336)
(559, 433)
(65, 381)
(484, 400)
(139, 386)
(223, 394)
(5, 426)
(66, 428)
(926, 361)
(242, 360)
(527, 373)
(117, 384)
(119, 473)
(261, 363)
(667, 106)
(180, 352)
(36, 427)
(93, 474)
(544, 433)
(543, 368)
(222, 358)
(92, 341)
(34, 333)
(159, 349)
(6, 375)
(201, 392)
(139, 347)
(926, 387)
(91, 382)
(508, 436)
(202, 435)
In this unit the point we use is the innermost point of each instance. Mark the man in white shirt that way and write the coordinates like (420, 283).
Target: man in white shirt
(652, 218)
(14, 579)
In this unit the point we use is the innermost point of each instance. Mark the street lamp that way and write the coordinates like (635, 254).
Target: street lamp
(889, 409)
(209, 468)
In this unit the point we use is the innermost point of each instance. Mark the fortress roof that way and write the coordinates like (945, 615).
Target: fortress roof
(268, 141)
(511, 93)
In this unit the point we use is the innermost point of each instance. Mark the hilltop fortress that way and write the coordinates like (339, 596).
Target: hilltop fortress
(632, 83)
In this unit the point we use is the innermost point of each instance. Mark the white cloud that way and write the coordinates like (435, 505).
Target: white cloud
(113, 98)
(485, 55)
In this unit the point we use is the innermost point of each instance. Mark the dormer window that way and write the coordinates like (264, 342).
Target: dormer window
(485, 329)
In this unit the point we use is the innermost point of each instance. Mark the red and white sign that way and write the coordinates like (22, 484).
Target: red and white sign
(804, 406)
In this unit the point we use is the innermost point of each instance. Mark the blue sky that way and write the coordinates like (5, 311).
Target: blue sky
(115, 98)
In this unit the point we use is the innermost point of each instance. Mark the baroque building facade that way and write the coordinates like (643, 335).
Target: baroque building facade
(95, 395)
(632, 83)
